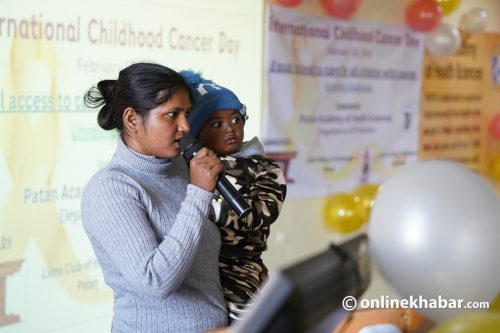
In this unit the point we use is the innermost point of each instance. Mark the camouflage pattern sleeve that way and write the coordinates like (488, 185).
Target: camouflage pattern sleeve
(262, 183)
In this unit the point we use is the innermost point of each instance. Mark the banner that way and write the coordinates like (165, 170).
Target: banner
(51, 53)
(460, 113)
(341, 100)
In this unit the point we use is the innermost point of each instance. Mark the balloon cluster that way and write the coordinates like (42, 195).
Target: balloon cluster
(347, 212)
(443, 39)
(434, 235)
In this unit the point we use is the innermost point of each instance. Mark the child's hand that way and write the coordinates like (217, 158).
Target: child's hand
(204, 169)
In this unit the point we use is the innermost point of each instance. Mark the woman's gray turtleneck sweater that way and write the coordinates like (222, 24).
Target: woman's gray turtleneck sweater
(158, 251)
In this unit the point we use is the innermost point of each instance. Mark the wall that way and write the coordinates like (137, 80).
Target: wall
(300, 232)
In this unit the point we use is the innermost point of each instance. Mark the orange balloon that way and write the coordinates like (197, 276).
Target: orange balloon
(365, 195)
(423, 15)
(343, 9)
(342, 213)
(495, 126)
(290, 3)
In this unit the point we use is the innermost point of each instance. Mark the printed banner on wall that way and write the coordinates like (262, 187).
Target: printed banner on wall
(460, 113)
(341, 100)
(50, 144)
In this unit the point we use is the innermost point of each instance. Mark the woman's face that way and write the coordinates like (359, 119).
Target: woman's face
(163, 127)
(223, 132)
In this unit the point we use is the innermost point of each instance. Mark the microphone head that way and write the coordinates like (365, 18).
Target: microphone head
(189, 146)
(186, 141)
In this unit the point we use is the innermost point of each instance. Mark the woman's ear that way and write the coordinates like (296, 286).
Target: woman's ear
(131, 120)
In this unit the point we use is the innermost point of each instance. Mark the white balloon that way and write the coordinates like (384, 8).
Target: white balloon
(434, 233)
(474, 20)
(444, 40)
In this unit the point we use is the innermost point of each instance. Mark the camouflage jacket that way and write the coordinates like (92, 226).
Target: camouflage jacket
(261, 182)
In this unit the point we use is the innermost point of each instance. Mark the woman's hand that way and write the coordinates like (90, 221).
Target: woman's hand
(204, 169)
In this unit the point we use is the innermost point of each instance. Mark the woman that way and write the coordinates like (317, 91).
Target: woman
(146, 214)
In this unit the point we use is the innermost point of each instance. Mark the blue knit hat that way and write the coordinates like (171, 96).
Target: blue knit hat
(208, 98)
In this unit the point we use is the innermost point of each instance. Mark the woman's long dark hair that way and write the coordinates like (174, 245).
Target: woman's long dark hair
(142, 86)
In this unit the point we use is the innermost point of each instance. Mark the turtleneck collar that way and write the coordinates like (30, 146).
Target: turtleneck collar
(140, 162)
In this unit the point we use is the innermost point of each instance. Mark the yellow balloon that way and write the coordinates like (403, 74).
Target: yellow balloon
(447, 6)
(342, 213)
(495, 167)
(495, 305)
(470, 323)
(365, 195)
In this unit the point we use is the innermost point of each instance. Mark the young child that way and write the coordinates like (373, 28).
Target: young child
(217, 118)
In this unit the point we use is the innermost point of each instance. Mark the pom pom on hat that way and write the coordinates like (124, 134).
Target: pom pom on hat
(208, 98)
(192, 78)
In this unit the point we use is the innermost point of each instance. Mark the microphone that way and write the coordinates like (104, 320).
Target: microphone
(189, 147)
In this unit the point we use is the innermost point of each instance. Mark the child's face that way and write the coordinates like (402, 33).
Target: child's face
(223, 132)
